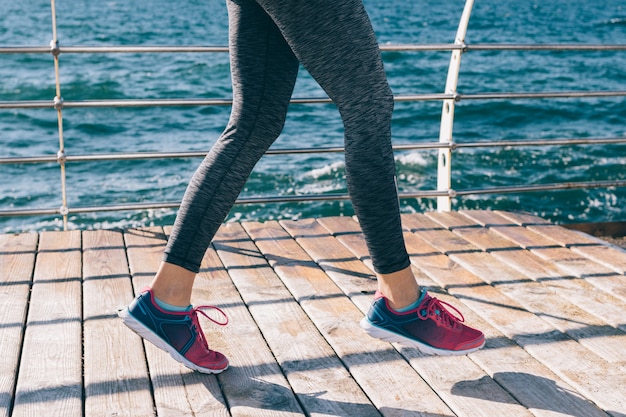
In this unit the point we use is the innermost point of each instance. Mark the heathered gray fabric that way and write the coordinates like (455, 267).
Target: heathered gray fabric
(335, 42)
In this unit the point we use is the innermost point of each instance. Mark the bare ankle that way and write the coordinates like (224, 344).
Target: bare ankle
(400, 288)
(173, 284)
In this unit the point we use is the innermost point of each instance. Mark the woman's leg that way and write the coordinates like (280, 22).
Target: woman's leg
(339, 49)
(264, 71)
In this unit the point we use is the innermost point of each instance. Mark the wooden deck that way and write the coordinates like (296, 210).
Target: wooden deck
(551, 301)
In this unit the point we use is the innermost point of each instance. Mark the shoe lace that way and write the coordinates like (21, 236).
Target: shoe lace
(436, 310)
(193, 313)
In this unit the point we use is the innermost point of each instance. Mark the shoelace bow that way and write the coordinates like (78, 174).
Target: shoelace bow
(436, 309)
(196, 324)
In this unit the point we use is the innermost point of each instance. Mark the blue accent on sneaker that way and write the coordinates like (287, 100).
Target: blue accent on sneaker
(412, 306)
(170, 307)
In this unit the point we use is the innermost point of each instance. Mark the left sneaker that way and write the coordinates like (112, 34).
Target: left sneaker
(430, 327)
(177, 333)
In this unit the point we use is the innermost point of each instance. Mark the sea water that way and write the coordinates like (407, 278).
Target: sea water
(34, 132)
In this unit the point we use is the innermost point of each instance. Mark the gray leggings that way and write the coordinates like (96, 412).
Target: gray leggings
(335, 42)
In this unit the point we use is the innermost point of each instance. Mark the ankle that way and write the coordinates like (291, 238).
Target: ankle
(173, 285)
(399, 288)
(413, 306)
(401, 301)
(171, 297)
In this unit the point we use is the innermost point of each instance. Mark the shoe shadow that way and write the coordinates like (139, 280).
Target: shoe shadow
(535, 392)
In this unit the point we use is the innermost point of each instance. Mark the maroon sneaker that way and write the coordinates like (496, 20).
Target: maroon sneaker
(177, 333)
(430, 327)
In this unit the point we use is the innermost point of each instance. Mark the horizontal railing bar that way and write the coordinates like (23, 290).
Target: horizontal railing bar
(27, 104)
(25, 50)
(198, 154)
(326, 197)
(191, 48)
(543, 187)
(544, 47)
(30, 212)
(402, 98)
(142, 49)
(41, 104)
(384, 47)
(553, 94)
(540, 142)
(317, 150)
(186, 49)
(29, 160)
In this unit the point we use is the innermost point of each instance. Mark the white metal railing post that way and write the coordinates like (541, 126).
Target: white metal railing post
(444, 169)
(58, 105)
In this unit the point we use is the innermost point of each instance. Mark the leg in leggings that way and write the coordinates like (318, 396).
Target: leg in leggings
(264, 72)
(338, 47)
(340, 50)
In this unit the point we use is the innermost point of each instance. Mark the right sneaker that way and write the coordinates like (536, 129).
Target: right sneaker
(430, 327)
(177, 333)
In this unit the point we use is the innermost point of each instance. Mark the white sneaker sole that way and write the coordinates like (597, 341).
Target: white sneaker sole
(143, 331)
(391, 337)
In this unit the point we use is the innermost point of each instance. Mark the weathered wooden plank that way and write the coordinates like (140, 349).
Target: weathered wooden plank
(563, 258)
(350, 274)
(371, 362)
(588, 246)
(553, 232)
(253, 384)
(144, 250)
(115, 372)
(597, 379)
(609, 309)
(467, 389)
(50, 374)
(610, 256)
(317, 376)
(17, 260)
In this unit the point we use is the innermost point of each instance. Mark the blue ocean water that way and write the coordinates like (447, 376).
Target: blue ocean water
(201, 75)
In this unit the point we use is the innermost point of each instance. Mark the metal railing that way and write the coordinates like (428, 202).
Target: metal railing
(445, 146)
